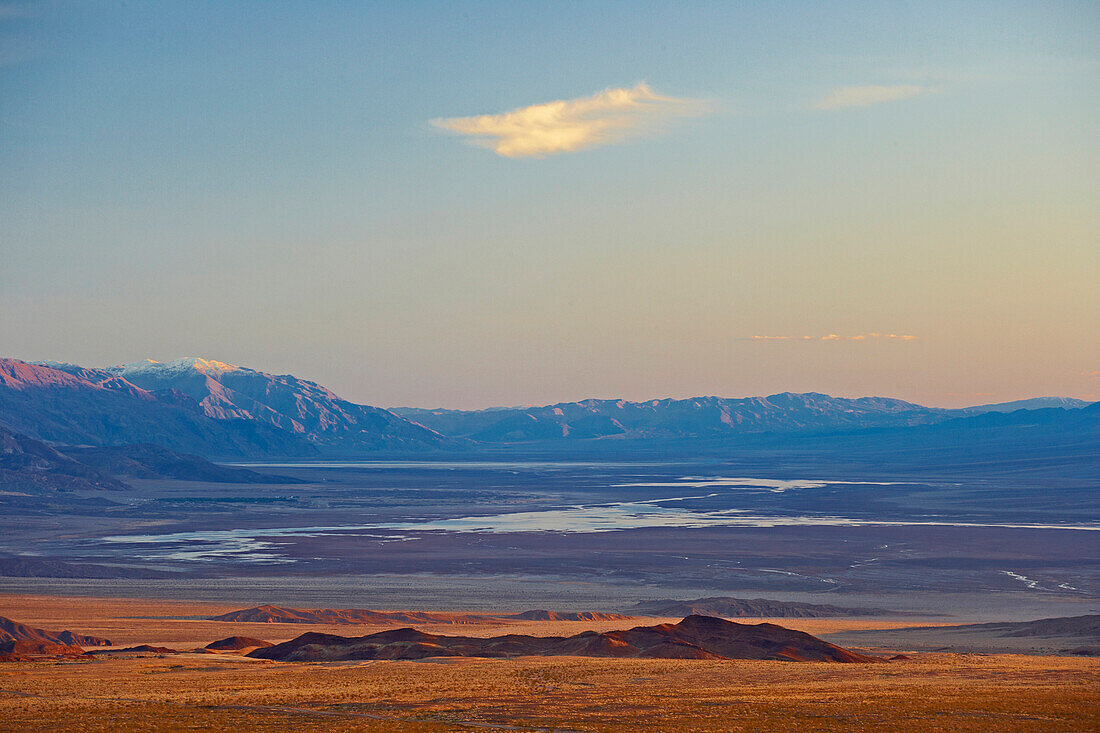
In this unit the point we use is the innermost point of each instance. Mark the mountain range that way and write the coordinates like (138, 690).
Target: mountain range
(700, 417)
(212, 408)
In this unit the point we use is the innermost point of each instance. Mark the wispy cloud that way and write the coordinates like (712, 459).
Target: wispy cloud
(567, 125)
(835, 337)
(863, 96)
(1091, 373)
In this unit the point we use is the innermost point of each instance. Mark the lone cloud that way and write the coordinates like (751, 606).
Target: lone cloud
(867, 95)
(565, 126)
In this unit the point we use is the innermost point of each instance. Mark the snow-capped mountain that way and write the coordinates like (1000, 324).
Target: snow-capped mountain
(197, 406)
(230, 392)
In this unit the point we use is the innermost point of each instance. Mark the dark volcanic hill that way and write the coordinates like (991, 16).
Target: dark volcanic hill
(195, 406)
(696, 637)
(724, 607)
(14, 631)
(236, 643)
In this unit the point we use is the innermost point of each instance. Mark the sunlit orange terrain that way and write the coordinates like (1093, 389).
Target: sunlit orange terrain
(225, 690)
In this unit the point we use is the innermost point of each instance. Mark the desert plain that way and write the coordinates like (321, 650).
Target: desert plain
(190, 690)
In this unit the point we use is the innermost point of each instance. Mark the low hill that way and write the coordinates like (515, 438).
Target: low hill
(15, 631)
(30, 651)
(725, 607)
(151, 461)
(696, 637)
(29, 465)
(542, 615)
(1085, 627)
(22, 566)
(236, 643)
(352, 616)
(1069, 635)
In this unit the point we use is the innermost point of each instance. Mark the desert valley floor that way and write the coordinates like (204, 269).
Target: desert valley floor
(921, 550)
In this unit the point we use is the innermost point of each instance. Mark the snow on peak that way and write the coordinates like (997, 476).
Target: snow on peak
(186, 364)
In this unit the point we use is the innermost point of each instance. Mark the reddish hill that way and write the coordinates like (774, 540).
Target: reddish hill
(13, 631)
(696, 637)
(28, 651)
(236, 643)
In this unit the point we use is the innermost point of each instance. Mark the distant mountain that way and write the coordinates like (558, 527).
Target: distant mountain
(700, 417)
(207, 407)
(696, 637)
(1035, 403)
(287, 403)
(195, 406)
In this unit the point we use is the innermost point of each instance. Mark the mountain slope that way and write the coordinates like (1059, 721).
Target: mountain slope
(75, 406)
(195, 406)
(296, 406)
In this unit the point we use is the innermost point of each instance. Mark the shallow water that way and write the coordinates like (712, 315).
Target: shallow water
(260, 545)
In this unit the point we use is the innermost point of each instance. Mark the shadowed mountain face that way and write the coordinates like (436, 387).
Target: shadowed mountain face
(151, 461)
(194, 406)
(696, 637)
(29, 465)
(283, 615)
(32, 466)
(747, 608)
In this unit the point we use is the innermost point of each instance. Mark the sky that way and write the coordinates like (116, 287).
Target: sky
(473, 204)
